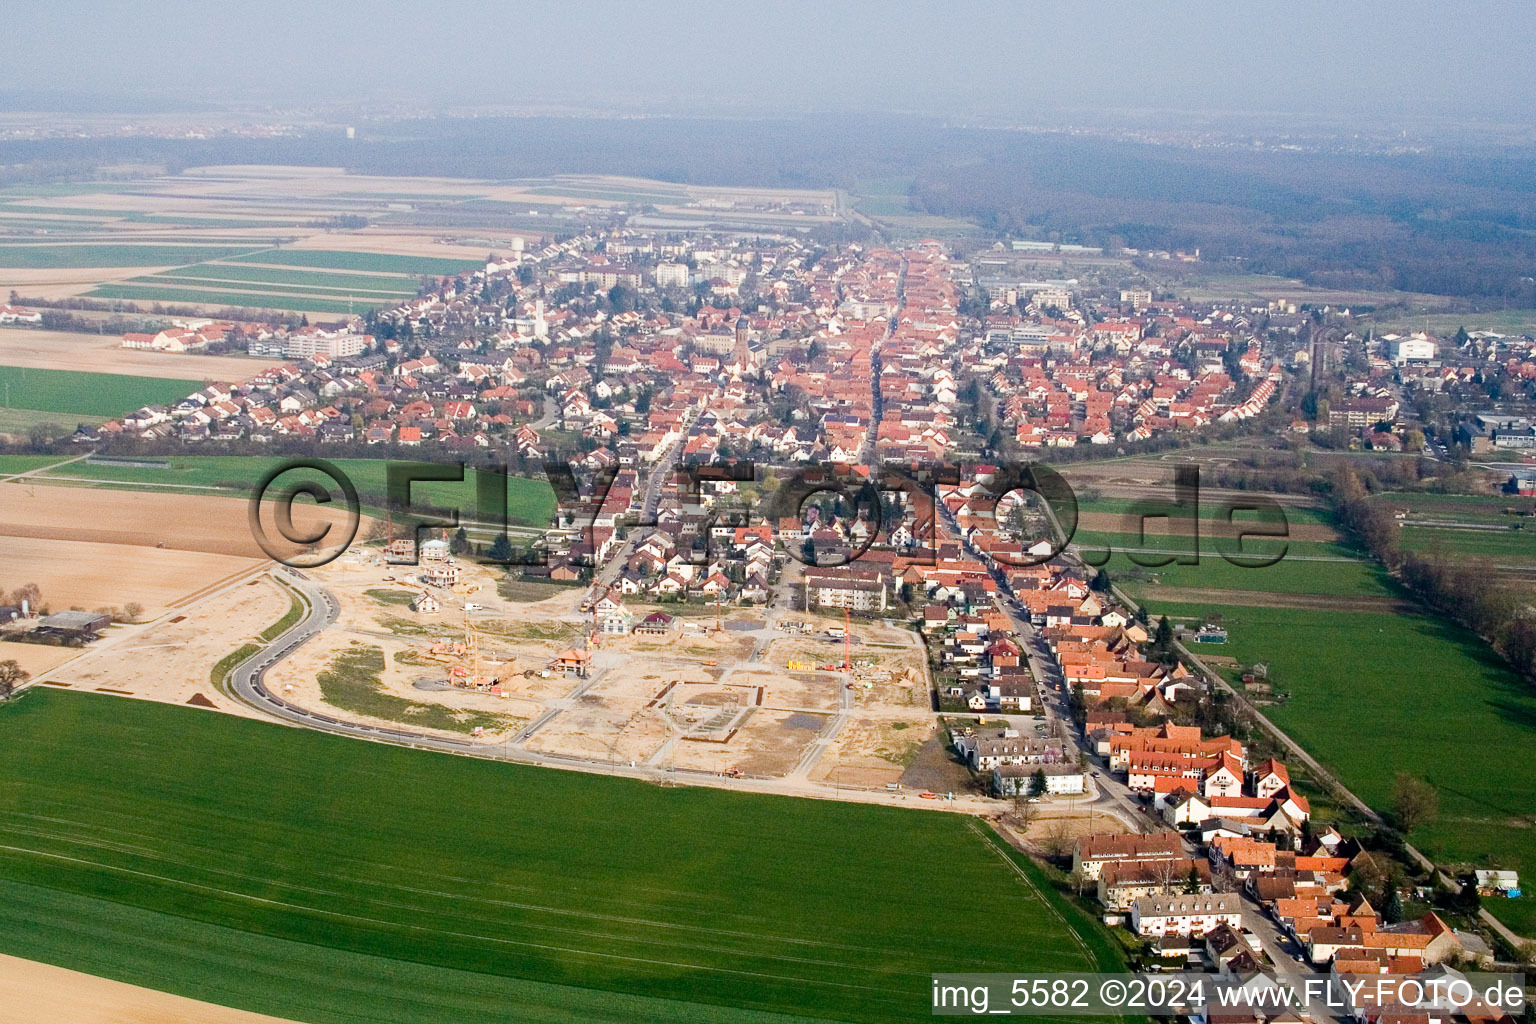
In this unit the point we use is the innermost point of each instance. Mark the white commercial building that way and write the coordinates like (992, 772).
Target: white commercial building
(1414, 348)
(673, 275)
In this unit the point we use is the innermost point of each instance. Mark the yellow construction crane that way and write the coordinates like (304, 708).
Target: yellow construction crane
(469, 665)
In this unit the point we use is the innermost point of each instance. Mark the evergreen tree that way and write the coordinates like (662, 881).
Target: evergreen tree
(1392, 912)
(501, 549)
(1037, 783)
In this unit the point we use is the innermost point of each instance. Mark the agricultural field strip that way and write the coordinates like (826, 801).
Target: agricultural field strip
(185, 281)
(85, 255)
(318, 984)
(529, 501)
(260, 881)
(333, 259)
(83, 831)
(279, 274)
(86, 393)
(238, 300)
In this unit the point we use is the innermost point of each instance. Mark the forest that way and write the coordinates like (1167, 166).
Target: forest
(1446, 221)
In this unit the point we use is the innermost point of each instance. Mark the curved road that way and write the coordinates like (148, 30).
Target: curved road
(246, 679)
(246, 684)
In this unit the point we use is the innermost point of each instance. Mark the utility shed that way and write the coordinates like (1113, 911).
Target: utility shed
(75, 624)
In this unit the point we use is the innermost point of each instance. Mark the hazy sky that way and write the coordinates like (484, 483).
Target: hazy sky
(1473, 59)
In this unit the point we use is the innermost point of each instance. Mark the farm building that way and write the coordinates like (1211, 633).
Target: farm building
(77, 625)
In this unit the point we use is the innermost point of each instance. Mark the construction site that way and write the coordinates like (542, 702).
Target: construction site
(739, 692)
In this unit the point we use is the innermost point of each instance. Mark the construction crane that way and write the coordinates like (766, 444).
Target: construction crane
(469, 666)
(847, 639)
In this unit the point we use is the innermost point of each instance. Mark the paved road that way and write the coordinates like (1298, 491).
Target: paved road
(655, 481)
(869, 450)
(550, 413)
(1051, 692)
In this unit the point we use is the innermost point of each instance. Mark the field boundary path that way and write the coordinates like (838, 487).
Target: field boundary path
(43, 469)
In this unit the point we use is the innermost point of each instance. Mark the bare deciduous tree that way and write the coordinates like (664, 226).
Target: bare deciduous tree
(1058, 838)
(1022, 813)
(1414, 802)
(11, 676)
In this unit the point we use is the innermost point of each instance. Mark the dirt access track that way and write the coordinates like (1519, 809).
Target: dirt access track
(1163, 526)
(1260, 599)
(172, 661)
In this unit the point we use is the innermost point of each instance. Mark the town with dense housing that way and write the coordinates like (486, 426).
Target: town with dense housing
(566, 515)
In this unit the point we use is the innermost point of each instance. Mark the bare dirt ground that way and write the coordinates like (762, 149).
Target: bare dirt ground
(91, 575)
(874, 748)
(66, 350)
(767, 743)
(1261, 599)
(173, 661)
(1115, 522)
(35, 659)
(423, 647)
(213, 524)
(295, 679)
(394, 243)
(1056, 820)
(615, 724)
(53, 282)
(35, 993)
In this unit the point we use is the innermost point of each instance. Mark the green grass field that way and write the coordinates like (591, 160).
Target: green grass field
(330, 259)
(329, 880)
(1503, 545)
(1210, 507)
(1503, 321)
(70, 211)
(245, 300)
(1339, 575)
(88, 394)
(19, 422)
(190, 280)
(305, 278)
(10, 464)
(529, 501)
(1375, 694)
(110, 254)
(1434, 524)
